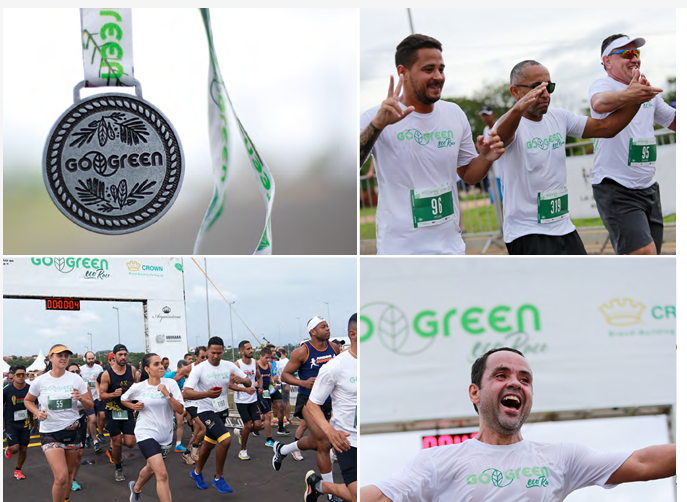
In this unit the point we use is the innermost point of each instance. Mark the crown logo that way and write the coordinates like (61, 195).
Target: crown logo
(132, 265)
(625, 312)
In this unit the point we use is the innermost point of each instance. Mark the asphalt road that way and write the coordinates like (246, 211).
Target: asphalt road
(252, 480)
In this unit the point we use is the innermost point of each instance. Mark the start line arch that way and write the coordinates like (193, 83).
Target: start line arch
(157, 283)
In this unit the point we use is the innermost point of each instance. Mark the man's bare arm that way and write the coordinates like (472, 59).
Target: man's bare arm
(654, 462)
(371, 493)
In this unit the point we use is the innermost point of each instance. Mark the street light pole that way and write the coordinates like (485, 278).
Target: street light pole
(329, 317)
(231, 324)
(119, 334)
(91, 335)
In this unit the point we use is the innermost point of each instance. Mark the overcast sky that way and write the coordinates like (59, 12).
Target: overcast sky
(274, 297)
(481, 46)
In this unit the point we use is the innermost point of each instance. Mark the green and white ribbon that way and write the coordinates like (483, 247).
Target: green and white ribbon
(218, 99)
(108, 50)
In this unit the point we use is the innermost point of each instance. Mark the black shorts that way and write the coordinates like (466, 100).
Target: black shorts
(301, 401)
(276, 396)
(249, 411)
(539, 244)
(193, 411)
(117, 427)
(150, 448)
(68, 438)
(348, 462)
(633, 217)
(99, 405)
(17, 434)
(264, 404)
(215, 430)
(83, 430)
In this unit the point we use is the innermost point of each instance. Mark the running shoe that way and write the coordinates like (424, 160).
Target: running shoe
(221, 485)
(97, 448)
(334, 498)
(297, 455)
(8, 453)
(275, 421)
(195, 452)
(18, 474)
(109, 454)
(332, 457)
(311, 492)
(198, 478)
(180, 448)
(119, 474)
(269, 443)
(237, 433)
(186, 457)
(101, 438)
(243, 455)
(256, 434)
(88, 442)
(75, 486)
(278, 457)
(284, 432)
(286, 422)
(134, 497)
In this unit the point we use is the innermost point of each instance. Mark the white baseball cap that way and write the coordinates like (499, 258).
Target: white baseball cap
(620, 42)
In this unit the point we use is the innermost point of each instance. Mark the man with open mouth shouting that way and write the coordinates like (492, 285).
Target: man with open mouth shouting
(498, 465)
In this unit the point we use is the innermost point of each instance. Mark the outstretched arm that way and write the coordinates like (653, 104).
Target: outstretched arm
(654, 462)
(509, 122)
(371, 493)
(638, 91)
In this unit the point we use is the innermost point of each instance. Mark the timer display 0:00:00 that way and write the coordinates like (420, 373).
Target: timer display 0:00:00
(62, 304)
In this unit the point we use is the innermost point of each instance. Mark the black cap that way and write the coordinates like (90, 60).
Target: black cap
(119, 347)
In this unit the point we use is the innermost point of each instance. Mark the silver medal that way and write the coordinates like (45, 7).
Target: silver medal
(113, 163)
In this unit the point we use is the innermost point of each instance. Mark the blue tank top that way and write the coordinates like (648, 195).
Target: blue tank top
(266, 376)
(315, 360)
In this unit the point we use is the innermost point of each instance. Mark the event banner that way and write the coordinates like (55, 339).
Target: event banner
(598, 333)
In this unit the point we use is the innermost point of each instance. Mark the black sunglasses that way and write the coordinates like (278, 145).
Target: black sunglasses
(550, 87)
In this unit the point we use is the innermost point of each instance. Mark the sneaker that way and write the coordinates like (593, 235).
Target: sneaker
(180, 448)
(269, 443)
(311, 479)
(119, 474)
(195, 452)
(237, 433)
(221, 485)
(284, 432)
(109, 454)
(286, 422)
(75, 486)
(18, 474)
(256, 434)
(243, 455)
(101, 438)
(275, 421)
(134, 497)
(297, 455)
(97, 448)
(88, 442)
(332, 457)
(278, 457)
(198, 478)
(8, 453)
(186, 457)
(334, 498)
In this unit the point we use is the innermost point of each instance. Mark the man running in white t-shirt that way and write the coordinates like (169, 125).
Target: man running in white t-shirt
(498, 465)
(626, 193)
(419, 143)
(533, 171)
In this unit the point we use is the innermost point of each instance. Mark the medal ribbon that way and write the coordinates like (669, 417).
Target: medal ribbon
(108, 54)
(218, 99)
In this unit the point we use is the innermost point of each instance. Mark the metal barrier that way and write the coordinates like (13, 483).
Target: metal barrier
(481, 213)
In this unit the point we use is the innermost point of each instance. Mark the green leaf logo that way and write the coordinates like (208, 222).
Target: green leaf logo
(179, 267)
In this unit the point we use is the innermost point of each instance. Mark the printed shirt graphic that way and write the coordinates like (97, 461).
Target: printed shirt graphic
(535, 162)
(339, 379)
(611, 154)
(419, 152)
(156, 419)
(46, 387)
(205, 376)
(250, 371)
(525, 471)
(90, 375)
(314, 363)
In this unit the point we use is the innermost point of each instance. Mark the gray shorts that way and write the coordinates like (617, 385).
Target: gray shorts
(633, 217)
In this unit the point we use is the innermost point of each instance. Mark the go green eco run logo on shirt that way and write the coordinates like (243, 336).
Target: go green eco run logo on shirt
(555, 141)
(536, 476)
(443, 138)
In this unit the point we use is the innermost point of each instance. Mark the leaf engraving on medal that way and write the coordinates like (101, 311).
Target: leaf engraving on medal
(131, 132)
(93, 191)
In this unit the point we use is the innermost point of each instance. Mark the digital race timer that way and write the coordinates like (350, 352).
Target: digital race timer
(62, 304)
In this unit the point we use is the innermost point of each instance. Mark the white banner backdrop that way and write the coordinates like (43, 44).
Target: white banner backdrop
(597, 332)
(581, 199)
(159, 282)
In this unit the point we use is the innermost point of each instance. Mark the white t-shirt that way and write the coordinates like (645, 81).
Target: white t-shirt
(339, 379)
(421, 152)
(535, 163)
(52, 394)
(205, 376)
(89, 375)
(156, 419)
(611, 155)
(525, 471)
(249, 370)
(281, 364)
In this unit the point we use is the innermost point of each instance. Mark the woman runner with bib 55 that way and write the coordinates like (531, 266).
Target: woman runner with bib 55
(156, 399)
(58, 392)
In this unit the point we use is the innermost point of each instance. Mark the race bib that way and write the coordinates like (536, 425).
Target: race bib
(59, 403)
(91, 384)
(20, 415)
(220, 404)
(642, 152)
(432, 206)
(120, 415)
(165, 449)
(552, 206)
(266, 394)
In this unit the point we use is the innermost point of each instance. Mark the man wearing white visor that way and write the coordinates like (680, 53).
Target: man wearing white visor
(625, 191)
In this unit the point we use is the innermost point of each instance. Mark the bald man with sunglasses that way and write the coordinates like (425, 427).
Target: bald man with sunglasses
(533, 171)
(625, 190)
